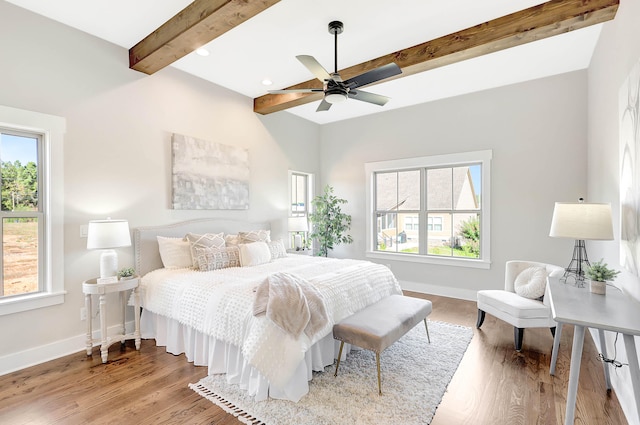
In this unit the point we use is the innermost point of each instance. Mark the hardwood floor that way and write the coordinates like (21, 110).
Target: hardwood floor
(493, 385)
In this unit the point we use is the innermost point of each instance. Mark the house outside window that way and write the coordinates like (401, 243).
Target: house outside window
(31, 211)
(430, 209)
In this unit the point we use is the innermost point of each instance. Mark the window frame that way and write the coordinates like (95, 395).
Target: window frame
(436, 161)
(51, 241)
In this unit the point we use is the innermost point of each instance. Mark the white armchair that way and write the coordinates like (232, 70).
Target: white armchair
(520, 312)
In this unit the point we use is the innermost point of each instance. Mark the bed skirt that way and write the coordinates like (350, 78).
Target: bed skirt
(221, 357)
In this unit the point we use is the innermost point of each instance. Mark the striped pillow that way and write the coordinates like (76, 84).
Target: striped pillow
(208, 240)
(217, 258)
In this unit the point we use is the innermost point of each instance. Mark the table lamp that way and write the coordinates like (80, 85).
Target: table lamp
(107, 235)
(581, 221)
(298, 224)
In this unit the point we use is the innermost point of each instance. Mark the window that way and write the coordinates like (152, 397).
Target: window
(21, 212)
(31, 253)
(430, 209)
(301, 194)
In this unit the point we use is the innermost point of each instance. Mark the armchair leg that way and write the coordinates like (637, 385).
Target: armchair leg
(480, 318)
(518, 333)
(553, 331)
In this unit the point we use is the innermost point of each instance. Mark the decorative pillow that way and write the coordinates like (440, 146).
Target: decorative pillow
(255, 236)
(174, 252)
(277, 249)
(231, 240)
(531, 282)
(254, 254)
(217, 258)
(208, 240)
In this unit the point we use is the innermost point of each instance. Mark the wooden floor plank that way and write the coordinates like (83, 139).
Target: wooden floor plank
(494, 384)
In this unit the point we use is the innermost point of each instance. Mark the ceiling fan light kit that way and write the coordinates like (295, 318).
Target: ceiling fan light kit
(334, 88)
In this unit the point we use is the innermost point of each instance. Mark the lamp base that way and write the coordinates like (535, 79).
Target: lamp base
(108, 263)
(578, 263)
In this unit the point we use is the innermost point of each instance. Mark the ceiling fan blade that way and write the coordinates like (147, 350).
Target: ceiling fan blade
(324, 106)
(368, 97)
(314, 66)
(374, 75)
(295, 91)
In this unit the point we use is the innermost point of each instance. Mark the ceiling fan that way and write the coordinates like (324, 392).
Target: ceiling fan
(334, 88)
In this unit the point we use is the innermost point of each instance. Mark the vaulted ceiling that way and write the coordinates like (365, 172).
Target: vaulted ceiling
(444, 48)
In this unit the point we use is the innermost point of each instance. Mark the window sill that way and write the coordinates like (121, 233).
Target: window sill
(21, 303)
(442, 261)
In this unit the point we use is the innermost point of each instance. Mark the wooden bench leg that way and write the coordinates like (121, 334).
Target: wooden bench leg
(339, 357)
(378, 364)
(427, 328)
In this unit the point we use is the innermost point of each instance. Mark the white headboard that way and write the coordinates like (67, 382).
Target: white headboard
(147, 253)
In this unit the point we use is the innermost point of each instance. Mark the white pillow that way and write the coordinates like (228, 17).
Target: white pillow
(254, 254)
(174, 252)
(531, 282)
(277, 249)
(208, 240)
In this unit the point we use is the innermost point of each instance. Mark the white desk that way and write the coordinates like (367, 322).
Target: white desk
(90, 287)
(611, 312)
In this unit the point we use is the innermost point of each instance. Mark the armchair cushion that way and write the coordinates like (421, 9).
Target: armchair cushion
(513, 308)
(531, 282)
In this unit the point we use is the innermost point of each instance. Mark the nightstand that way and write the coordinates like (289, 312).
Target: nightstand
(300, 252)
(91, 287)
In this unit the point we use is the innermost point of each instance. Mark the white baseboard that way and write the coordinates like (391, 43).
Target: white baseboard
(44, 353)
(445, 291)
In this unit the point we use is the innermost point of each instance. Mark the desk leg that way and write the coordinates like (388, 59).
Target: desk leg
(136, 316)
(87, 306)
(603, 351)
(634, 371)
(574, 373)
(104, 347)
(556, 347)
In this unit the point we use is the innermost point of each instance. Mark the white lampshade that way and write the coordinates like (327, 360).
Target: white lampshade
(298, 224)
(582, 221)
(108, 234)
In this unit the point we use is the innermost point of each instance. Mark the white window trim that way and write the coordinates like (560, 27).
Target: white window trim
(483, 157)
(53, 129)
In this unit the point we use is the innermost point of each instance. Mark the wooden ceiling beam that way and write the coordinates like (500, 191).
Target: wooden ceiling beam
(535, 23)
(193, 27)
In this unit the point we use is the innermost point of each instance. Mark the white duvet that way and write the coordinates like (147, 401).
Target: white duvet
(220, 303)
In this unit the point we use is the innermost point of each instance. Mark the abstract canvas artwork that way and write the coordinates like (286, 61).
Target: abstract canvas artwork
(208, 175)
(630, 171)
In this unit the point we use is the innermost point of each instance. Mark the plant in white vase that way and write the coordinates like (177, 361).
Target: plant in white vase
(599, 273)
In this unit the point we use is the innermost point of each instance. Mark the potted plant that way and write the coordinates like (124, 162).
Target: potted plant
(599, 273)
(329, 223)
(126, 273)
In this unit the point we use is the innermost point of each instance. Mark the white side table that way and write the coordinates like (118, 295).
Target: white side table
(91, 287)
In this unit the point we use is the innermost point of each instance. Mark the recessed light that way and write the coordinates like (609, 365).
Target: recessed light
(202, 51)
(267, 82)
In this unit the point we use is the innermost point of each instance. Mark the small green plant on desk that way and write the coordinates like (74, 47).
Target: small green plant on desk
(126, 273)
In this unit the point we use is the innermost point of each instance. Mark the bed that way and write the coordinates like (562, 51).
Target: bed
(215, 318)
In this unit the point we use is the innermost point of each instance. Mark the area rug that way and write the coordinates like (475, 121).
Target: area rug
(415, 376)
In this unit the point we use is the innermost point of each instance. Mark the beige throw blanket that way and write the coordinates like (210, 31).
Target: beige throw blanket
(292, 303)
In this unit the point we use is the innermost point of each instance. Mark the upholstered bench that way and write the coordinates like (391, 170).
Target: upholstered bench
(379, 325)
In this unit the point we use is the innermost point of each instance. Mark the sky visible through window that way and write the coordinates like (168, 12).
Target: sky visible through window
(23, 149)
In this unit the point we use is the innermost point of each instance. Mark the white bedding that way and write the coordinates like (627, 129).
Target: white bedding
(218, 304)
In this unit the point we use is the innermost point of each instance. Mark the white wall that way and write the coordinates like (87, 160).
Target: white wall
(118, 156)
(618, 50)
(537, 131)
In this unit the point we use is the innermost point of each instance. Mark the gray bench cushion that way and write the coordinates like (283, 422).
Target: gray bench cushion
(379, 325)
